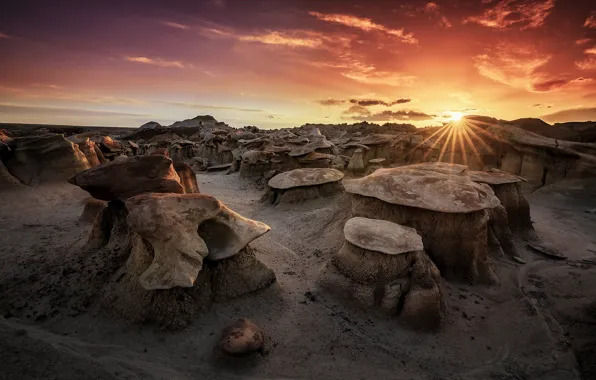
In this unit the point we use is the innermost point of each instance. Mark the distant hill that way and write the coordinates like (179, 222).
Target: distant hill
(541, 127)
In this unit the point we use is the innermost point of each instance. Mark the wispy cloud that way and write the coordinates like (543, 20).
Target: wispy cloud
(290, 38)
(389, 115)
(5, 36)
(26, 109)
(542, 106)
(368, 73)
(589, 62)
(366, 25)
(293, 39)
(156, 62)
(582, 41)
(219, 3)
(208, 107)
(518, 66)
(524, 14)
(377, 102)
(591, 21)
(331, 102)
(175, 25)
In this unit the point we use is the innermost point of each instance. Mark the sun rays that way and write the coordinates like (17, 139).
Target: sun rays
(457, 142)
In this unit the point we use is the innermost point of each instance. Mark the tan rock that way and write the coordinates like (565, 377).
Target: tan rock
(122, 179)
(185, 229)
(305, 177)
(356, 165)
(382, 236)
(242, 337)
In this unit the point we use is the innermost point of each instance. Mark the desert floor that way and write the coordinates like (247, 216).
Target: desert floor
(539, 323)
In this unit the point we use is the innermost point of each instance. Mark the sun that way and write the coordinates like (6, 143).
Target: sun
(456, 116)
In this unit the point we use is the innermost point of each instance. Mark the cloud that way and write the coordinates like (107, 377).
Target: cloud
(156, 62)
(54, 111)
(431, 7)
(389, 115)
(5, 36)
(524, 14)
(376, 102)
(518, 66)
(573, 114)
(175, 25)
(207, 107)
(591, 21)
(331, 102)
(366, 25)
(589, 62)
(292, 39)
(542, 106)
(219, 3)
(583, 41)
(357, 110)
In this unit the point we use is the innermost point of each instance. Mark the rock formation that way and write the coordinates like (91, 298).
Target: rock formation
(175, 254)
(382, 267)
(122, 179)
(451, 212)
(300, 185)
(507, 188)
(241, 338)
(48, 158)
(356, 165)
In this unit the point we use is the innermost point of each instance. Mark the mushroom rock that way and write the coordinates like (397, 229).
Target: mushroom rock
(507, 188)
(382, 267)
(254, 143)
(316, 160)
(45, 158)
(181, 252)
(356, 165)
(374, 164)
(315, 144)
(300, 185)
(254, 163)
(241, 338)
(451, 213)
(122, 179)
(92, 208)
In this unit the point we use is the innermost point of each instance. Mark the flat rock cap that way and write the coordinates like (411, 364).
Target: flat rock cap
(305, 177)
(494, 177)
(382, 236)
(424, 189)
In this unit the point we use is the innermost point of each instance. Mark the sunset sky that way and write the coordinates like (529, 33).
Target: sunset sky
(285, 63)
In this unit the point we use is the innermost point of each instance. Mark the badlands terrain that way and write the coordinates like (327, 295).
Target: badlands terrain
(361, 251)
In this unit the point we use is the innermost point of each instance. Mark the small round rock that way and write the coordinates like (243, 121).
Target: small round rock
(242, 337)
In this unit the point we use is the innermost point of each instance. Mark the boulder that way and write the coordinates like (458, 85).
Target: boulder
(122, 179)
(241, 338)
(36, 160)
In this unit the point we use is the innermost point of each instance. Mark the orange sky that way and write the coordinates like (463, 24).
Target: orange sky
(281, 64)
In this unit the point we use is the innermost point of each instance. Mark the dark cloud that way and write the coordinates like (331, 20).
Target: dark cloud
(394, 115)
(376, 102)
(542, 106)
(574, 114)
(549, 85)
(331, 102)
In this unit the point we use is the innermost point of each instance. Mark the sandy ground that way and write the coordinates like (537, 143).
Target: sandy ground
(539, 323)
